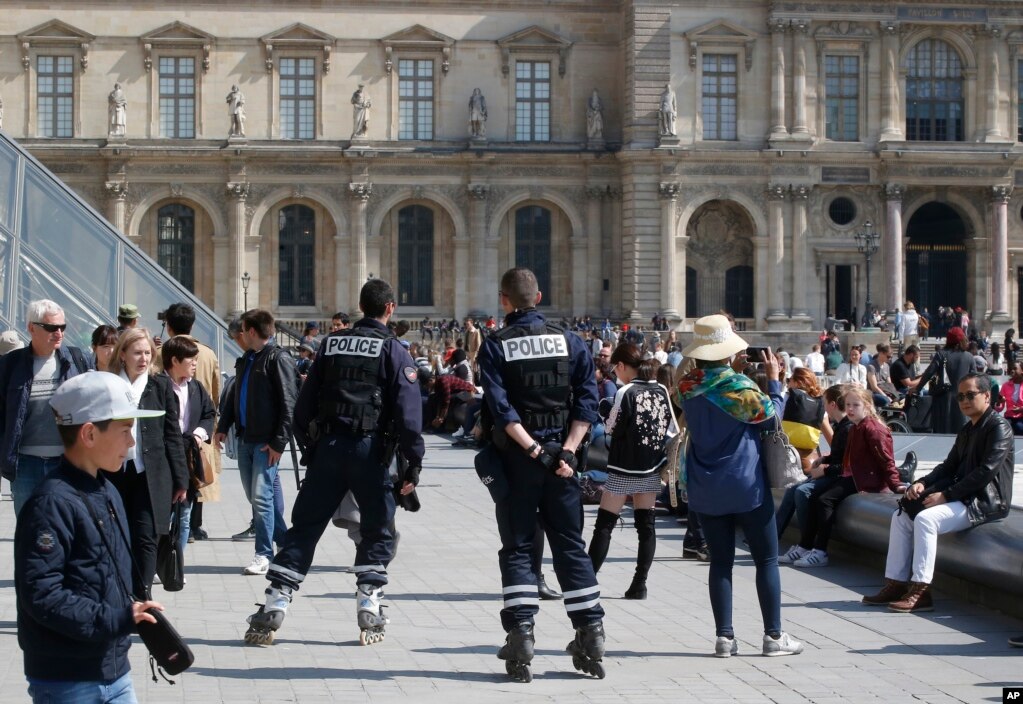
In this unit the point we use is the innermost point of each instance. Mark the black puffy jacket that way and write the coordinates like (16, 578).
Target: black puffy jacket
(74, 617)
(978, 469)
(270, 399)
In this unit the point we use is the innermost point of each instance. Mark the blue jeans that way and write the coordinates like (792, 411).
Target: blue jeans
(120, 691)
(257, 476)
(794, 501)
(186, 523)
(762, 536)
(31, 472)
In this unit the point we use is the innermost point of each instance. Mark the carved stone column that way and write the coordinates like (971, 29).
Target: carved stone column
(116, 206)
(891, 130)
(359, 194)
(800, 255)
(776, 195)
(669, 273)
(891, 248)
(799, 126)
(595, 196)
(1000, 257)
(238, 192)
(992, 133)
(478, 194)
(778, 29)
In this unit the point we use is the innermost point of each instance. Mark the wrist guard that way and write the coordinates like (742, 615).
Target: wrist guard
(570, 459)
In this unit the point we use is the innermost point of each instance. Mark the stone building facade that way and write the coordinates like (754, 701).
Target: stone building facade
(796, 124)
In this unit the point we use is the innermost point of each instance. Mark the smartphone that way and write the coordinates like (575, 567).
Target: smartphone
(754, 354)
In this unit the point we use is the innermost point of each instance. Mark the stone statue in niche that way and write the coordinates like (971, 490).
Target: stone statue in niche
(360, 112)
(667, 113)
(477, 115)
(595, 117)
(236, 110)
(118, 109)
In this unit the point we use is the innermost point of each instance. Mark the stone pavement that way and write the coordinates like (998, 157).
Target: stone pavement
(444, 632)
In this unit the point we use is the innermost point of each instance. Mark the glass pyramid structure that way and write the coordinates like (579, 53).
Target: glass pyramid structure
(54, 245)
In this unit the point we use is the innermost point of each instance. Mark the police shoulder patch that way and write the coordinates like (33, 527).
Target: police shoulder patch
(411, 374)
(45, 541)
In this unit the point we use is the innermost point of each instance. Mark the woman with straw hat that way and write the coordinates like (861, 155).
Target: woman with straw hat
(727, 484)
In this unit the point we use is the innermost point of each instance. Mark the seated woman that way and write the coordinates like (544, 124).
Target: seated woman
(803, 419)
(852, 372)
(867, 467)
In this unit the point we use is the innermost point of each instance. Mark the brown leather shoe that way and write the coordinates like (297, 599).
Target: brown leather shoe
(893, 590)
(917, 598)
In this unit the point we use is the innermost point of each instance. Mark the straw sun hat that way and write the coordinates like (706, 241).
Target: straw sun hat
(714, 339)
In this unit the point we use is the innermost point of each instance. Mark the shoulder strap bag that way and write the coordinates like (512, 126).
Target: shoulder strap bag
(781, 460)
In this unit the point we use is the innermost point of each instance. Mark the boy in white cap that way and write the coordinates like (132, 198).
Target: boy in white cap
(72, 565)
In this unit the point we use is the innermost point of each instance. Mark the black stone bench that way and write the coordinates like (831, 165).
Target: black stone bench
(982, 565)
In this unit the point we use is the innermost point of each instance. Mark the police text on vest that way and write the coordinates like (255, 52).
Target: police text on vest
(535, 347)
(354, 345)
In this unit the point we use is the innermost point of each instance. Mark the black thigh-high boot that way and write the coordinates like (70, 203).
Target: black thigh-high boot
(644, 518)
(601, 540)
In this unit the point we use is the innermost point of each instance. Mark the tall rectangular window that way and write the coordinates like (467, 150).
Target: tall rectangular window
(55, 81)
(177, 97)
(720, 96)
(415, 99)
(532, 101)
(842, 97)
(298, 98)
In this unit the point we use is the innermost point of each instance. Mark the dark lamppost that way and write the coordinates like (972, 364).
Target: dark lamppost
(245, 289)
(867, 242)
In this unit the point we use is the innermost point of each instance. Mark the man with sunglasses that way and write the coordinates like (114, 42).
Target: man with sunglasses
(972, 486)
(30, 445)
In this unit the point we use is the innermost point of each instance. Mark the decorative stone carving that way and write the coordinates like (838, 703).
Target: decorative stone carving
(117, 189)
(360, 191)
(238, 189)
(669, 191)
(360, 112)
(719, 238)
(477, 115)
(236, 112)
(595, 117)
(118, 111)
(177, 189)
(667, 113)
(777, 191)
(1001, 194)
(597, 192)
(894, 191)
(801, 192)
(478, 191)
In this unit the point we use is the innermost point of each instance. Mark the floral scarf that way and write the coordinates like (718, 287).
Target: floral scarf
(735, 394)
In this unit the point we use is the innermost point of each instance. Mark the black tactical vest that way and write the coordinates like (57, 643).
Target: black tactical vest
(537, 374)
(352, 389)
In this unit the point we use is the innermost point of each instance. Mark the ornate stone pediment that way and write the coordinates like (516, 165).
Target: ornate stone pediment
(719, 235)
(718, 34)
(175, 36)
(843, 30)
(55, 33)
(534, 39)
(297, 35)
(417, 38)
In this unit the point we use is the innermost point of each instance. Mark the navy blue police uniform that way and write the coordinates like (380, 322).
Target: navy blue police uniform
(535, 374)
(360, 400)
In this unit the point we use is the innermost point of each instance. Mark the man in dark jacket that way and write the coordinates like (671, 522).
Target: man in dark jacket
(972, 486)
(72, 571)
(29, 444)
(260, 407)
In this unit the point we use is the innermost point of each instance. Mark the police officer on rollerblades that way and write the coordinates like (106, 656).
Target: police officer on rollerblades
(359, 404)
(541, 392)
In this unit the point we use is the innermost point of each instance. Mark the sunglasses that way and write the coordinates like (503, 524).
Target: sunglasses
(51, 328)
(968, 396)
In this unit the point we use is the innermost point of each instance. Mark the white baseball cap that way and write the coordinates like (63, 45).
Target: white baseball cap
(94, 397)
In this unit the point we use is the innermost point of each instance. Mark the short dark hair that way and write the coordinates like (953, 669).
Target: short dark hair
(179, 348)
(69, 433)
(402, 327)
(983, 382)
(259, 320)
(125, 322)
(180, 317)
(883, 348)
(374, 297)
(631, 356)
(520, 286)
(343, 317)
(104, 335)
(234, 327)
(910, 350)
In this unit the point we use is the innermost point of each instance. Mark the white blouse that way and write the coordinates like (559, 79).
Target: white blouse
(852, 374)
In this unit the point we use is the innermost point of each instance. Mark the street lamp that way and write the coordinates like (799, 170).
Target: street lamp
(245, 289)
(867, 242)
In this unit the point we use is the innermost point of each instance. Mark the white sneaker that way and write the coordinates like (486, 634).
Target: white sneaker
(795, 552)
(784, 645)
(458, 433)
(726, 647)
(259, 565)
(815, 558)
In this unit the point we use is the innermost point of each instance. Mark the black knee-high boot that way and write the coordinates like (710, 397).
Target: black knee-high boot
(644, 518)
(601, 540)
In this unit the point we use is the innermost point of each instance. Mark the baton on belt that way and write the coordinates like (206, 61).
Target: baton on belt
(294, 462)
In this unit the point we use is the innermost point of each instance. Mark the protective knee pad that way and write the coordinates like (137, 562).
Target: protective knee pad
(601, 537)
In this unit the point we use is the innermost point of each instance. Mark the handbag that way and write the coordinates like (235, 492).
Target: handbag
(200, 469)
(940, 385)
(781, 460)
(170, 560)
(168, 652)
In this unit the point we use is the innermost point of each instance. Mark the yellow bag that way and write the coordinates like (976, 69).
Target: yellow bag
(801, 436)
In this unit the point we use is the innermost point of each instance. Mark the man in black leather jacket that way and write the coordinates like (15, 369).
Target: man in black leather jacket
(972, 486)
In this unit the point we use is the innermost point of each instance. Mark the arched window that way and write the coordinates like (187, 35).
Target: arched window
(297, 256)
(415, 256)
(692, 297)
(739, 291)
(175, 242)
(934, 93)
(533, 246)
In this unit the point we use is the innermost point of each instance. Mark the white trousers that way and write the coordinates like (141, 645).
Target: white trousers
(913, 544)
